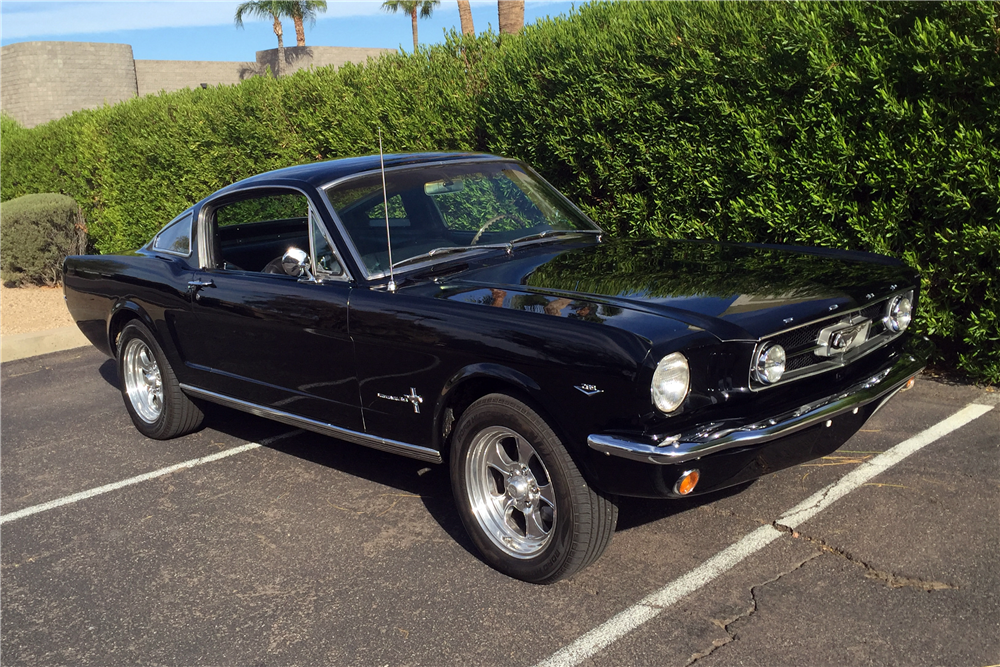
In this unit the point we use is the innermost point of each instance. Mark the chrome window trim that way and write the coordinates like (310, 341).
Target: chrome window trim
(831, 363)
(349, 242)
(190, 215)
(210, 205)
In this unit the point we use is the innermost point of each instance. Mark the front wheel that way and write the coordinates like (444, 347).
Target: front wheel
(153, 396)
(521, 497)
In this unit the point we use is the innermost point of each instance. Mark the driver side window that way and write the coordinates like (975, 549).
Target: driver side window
(254, 233)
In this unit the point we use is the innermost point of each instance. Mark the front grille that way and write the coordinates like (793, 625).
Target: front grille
(802, 343)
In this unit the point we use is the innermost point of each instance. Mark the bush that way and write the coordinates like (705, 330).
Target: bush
(868, 126)
(36, 233)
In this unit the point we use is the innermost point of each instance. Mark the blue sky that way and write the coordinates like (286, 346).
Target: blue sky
(204, 30)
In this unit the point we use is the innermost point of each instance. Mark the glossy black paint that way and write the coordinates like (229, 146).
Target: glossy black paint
(540, 322)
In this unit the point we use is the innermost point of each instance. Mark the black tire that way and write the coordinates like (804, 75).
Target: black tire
(521, 497)
(152, 394)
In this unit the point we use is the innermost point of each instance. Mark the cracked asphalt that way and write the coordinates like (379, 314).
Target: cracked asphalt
(312, 551)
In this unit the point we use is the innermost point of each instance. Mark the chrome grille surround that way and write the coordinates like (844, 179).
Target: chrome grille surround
(806, 352)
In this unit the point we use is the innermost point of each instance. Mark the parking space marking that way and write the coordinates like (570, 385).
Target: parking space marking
(656, 603)
(107, 488)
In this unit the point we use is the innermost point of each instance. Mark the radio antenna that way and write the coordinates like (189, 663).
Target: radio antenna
(385, 200)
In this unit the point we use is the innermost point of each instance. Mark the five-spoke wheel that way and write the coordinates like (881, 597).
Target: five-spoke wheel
(142, 380)
(510, 492)
(522, 499)
(153, 397)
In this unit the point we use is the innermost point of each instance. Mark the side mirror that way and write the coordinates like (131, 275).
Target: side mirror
(295, 262)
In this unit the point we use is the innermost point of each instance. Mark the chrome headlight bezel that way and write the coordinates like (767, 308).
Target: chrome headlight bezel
(899, 312)
(769, 364)
(671, 383)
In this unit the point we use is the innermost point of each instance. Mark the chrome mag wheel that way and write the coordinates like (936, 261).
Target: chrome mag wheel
(143, 381)
(510, 492)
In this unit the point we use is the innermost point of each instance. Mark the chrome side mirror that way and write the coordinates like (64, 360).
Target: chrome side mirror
(295, 262)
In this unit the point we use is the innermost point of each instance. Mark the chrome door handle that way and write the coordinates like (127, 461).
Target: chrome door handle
(195, 284)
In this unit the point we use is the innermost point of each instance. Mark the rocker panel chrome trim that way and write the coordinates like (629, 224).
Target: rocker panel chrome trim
(375, 442)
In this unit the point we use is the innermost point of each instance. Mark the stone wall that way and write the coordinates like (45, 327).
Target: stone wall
(42, 81)
(154, 76)
(303, 57)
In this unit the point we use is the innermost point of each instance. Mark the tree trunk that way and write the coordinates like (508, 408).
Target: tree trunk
(281, 47)
(413, 16)
(300, 31)
(465, 13)
(511, 15)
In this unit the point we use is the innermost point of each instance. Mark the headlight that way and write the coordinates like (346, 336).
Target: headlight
(899, 314)
(670, 382)
(770, 365)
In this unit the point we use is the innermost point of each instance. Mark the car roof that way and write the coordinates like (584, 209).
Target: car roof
(319, 174)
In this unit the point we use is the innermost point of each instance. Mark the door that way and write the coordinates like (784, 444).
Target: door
(259, 335)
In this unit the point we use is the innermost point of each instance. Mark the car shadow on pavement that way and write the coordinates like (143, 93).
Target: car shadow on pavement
(635, 512)
(429, 481)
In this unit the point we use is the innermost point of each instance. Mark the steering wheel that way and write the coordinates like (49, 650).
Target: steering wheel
(486, 226)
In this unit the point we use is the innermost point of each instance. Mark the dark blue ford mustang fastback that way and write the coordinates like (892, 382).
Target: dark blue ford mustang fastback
(457, 309)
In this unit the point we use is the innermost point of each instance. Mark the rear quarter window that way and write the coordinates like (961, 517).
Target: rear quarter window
(175, 238)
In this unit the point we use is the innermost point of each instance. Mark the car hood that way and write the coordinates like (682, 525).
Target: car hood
(735, 291)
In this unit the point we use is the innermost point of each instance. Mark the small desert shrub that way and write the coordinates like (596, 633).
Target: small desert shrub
(36, 233)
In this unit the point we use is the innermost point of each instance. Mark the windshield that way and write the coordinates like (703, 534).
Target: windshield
(438, 211)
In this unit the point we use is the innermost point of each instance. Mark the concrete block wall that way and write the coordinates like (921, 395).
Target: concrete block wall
(154, 76)
(42, 81)
(303, 57)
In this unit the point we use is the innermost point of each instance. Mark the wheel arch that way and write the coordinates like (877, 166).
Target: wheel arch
(122, 313)
(472, 383)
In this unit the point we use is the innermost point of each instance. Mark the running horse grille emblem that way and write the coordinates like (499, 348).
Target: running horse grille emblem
(838, 338)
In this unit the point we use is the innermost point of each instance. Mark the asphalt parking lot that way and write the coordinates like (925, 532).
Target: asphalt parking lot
(310, 551)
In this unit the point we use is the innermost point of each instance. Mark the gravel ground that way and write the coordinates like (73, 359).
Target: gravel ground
(24, 309)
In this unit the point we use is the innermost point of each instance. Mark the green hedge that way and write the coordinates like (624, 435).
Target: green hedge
(869, 126)
(37, 232)
(863, 126)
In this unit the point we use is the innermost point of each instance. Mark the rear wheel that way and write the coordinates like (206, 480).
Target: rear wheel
(152, 394)
(521, 497)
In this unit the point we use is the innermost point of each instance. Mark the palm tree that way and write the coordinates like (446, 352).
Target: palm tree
(465, 14)
(305, 10)
(511, 16)
(411, 7)
(274, 9)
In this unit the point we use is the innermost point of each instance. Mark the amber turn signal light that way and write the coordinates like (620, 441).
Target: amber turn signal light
(687, 482)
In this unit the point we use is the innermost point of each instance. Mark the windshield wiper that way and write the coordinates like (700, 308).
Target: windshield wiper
(555, 232)
(447, 250)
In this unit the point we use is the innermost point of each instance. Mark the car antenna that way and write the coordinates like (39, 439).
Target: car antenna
(385, 200)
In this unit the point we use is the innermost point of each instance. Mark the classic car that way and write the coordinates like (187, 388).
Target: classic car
(456, 308)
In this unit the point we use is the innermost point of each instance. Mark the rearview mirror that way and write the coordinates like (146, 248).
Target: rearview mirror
(443, 187)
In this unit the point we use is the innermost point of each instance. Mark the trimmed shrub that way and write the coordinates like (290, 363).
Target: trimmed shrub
(37, 232)
(868, 126)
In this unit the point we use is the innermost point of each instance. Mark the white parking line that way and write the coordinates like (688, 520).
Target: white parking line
(653, 605)
(83, 495)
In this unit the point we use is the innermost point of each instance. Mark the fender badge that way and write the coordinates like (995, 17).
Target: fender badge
(412, 398)
(589, 389)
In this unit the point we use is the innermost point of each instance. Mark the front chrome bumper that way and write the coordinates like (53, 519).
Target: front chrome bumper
(718, 436)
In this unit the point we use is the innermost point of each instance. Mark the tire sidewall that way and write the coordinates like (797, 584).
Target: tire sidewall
(495, 410)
